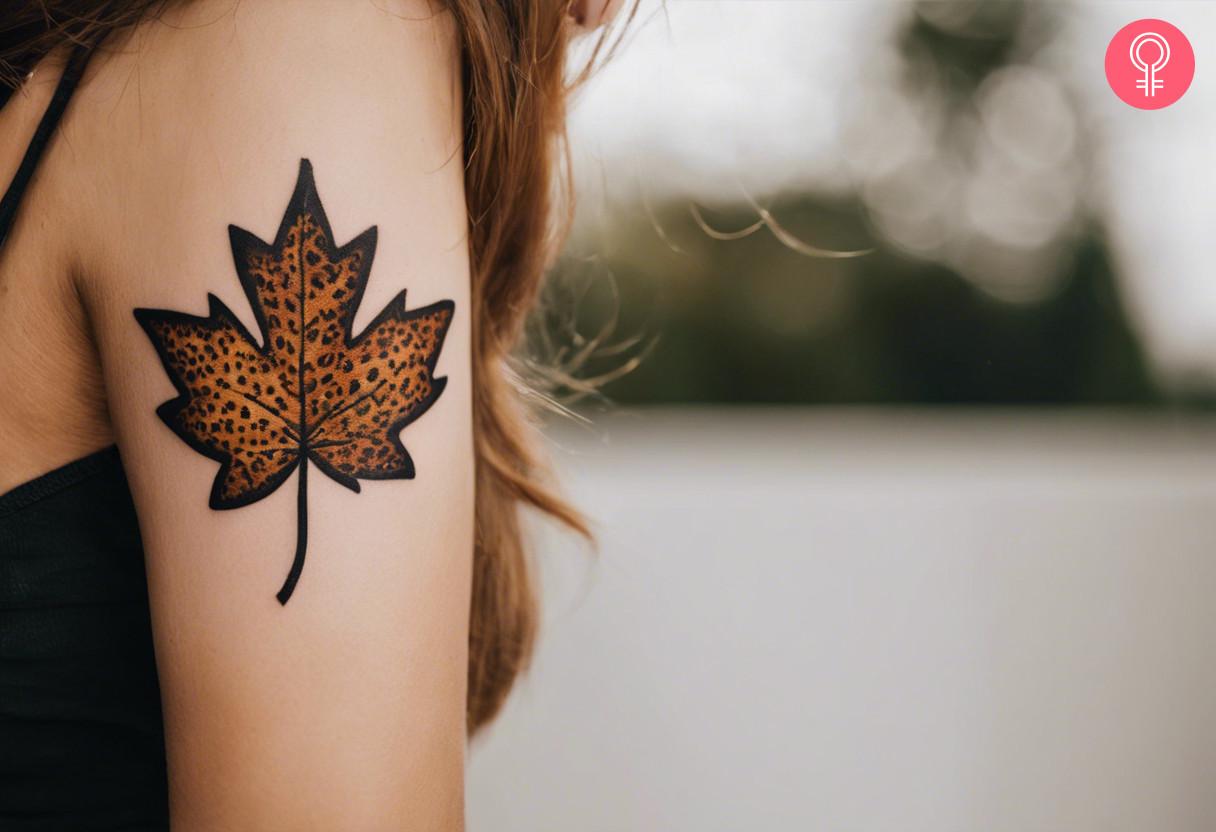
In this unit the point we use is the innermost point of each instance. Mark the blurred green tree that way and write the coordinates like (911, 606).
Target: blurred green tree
(750, 320)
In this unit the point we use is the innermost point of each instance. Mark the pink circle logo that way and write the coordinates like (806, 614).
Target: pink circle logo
(1150, 64)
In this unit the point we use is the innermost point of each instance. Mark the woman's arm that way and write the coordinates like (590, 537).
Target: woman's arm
(334, 699)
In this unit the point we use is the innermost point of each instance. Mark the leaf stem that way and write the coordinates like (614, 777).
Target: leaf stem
(297, 564)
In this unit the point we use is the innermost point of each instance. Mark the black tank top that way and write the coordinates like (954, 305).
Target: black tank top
(81, 737)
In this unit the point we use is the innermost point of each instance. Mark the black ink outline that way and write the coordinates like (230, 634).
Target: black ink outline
(304, 199)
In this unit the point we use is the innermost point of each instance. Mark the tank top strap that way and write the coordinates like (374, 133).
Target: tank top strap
(73, 70)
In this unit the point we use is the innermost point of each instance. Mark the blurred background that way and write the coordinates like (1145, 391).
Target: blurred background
(904, 462)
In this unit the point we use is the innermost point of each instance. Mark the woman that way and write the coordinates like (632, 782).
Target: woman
(216, 208)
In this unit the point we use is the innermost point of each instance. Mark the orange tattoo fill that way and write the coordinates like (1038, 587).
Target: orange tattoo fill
(310, 391)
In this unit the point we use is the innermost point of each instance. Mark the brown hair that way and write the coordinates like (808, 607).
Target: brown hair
(515, 89)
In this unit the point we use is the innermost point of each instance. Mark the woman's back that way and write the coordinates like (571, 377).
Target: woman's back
(54, 409)
(80, 705)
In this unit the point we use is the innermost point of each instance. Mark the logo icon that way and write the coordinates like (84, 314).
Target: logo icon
(1149, 64)
(1150, 83)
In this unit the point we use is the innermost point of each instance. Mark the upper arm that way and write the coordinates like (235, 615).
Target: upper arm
(283, 346)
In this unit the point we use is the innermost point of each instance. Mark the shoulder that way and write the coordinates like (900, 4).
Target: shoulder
(305, 47)
(211, 106)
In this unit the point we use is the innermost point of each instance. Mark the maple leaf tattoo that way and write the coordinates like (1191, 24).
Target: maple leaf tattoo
(310, 390)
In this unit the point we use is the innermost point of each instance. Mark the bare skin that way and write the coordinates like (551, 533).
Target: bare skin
(345, 709)
(54, 406)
